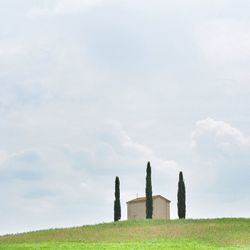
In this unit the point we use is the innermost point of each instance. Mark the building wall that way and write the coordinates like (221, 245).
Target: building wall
(137, 210)
(161, 209)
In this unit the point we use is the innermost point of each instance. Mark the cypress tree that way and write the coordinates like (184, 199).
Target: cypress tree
(117, 204)
(149, 198)
(181, 197)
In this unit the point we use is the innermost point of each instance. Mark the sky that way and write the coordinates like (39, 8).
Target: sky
(94, 89)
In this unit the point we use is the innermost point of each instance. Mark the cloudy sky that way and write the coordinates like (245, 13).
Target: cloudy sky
(91, 89)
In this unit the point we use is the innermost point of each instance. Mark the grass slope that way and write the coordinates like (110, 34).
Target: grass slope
(144, 234)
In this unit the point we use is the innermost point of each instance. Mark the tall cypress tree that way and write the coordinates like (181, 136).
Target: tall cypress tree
(181, 197)
(117, 203)
(149, 198)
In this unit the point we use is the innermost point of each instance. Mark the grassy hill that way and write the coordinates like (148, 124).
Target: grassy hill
(143, 234)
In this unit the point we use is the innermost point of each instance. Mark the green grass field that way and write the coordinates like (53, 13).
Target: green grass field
(138, 235)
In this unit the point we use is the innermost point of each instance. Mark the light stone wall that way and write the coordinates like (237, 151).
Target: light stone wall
(137, 210)
(161, 208)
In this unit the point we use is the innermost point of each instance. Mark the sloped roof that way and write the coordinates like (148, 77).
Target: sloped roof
(140, 199)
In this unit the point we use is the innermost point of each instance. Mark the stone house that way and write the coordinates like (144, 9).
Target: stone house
(136, 208)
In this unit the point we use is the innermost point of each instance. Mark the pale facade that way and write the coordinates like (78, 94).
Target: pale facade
(136, 208)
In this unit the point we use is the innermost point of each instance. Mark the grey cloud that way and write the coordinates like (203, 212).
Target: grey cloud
(37, 193)
(114, 151)
(25, 166)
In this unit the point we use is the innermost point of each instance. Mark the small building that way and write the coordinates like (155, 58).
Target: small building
(136, 208)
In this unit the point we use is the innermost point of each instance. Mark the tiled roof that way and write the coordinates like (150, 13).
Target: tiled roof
(139, 199)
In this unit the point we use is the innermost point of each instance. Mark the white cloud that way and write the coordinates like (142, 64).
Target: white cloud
(3, 157)
(7, 49)
(223, 156)
(219, 169)
(61, 7)
(217, 135)
(224, 40)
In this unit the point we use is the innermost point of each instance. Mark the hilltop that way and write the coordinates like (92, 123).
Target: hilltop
(142, 234)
